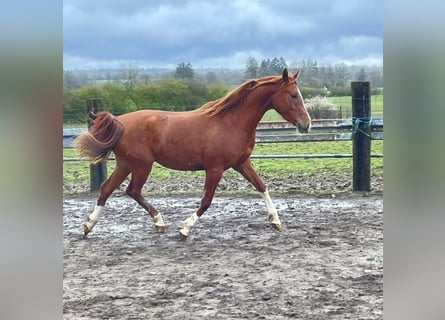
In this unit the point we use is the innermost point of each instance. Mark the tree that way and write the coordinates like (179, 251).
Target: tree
(320, 107)
(251, 68)
(211, 77)
(362, 75)
(145, 77)
(311, 70)
(277, 65)
(264, 69)
(184, 71)
(283, 63)
(70, 80)
(341, 71)
(129, 75)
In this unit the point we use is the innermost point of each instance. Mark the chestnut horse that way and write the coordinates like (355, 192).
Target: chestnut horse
(215, 137)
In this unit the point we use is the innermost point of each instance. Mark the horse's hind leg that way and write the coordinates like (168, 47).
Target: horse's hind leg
(138, 178)
(249, 173)
(108, 186)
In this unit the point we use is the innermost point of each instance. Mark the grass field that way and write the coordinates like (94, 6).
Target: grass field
(346, 104)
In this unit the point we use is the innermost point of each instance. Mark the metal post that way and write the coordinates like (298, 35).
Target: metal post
(361, 142)
(98, 171)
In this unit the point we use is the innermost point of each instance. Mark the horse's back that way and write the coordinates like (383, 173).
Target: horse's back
(127, 119)
(162, 136)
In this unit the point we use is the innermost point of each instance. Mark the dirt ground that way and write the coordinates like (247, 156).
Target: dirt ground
(326, 263)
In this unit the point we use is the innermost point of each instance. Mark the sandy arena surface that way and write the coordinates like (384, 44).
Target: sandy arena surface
(326, 263)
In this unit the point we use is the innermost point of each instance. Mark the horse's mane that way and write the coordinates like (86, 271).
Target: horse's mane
(234, 97)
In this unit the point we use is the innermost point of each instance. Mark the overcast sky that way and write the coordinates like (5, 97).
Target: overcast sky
(220, 33)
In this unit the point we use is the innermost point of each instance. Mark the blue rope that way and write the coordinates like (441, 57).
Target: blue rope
(361, 124)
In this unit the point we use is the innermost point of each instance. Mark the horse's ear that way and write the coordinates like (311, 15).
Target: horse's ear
(296, 75)
(285, 75)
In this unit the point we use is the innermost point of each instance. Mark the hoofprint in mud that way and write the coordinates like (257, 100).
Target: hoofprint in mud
(326, 263)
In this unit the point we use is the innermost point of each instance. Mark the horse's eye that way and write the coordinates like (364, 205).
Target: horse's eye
(294, 96)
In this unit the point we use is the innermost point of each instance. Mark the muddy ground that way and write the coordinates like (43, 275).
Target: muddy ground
(327, 263)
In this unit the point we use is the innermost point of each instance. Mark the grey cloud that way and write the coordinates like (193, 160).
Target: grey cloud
(170, 32)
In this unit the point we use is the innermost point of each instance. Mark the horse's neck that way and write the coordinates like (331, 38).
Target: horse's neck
(250, 112)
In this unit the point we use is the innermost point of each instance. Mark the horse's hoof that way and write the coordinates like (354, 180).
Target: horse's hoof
(276, 226)
(182, 236)
(160, 229)
(85, 230)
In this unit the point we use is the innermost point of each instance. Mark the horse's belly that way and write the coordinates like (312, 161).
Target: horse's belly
(181, 163)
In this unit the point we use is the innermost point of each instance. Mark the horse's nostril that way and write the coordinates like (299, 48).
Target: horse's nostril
(301, 128)
(304, 128)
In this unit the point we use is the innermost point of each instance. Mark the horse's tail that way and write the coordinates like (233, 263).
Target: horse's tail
(97, 143)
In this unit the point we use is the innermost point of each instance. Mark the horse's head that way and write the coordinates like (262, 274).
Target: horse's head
(288, 102)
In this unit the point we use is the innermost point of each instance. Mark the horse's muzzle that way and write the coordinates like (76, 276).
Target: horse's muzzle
(303, 128)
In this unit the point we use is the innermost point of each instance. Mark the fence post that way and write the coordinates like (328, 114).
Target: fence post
(98, 171)
(361, 141)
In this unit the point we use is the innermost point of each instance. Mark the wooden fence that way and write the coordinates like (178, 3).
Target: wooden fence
(361, 129)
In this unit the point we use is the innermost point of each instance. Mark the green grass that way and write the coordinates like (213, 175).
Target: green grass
(272, 115)
(345, 103)
(312, 165)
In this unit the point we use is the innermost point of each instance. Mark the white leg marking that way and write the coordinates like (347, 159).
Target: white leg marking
(94, 217)
(188, 224)
(272, 212)
(158, 220)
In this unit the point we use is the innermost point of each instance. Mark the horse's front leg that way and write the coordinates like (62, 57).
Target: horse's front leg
(249, 173)
(211, 182)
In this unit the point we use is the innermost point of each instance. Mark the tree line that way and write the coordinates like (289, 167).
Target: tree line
(167, 94)
(316, 75)
(185, 88)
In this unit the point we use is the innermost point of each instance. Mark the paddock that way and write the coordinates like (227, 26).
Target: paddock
(326, 263)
